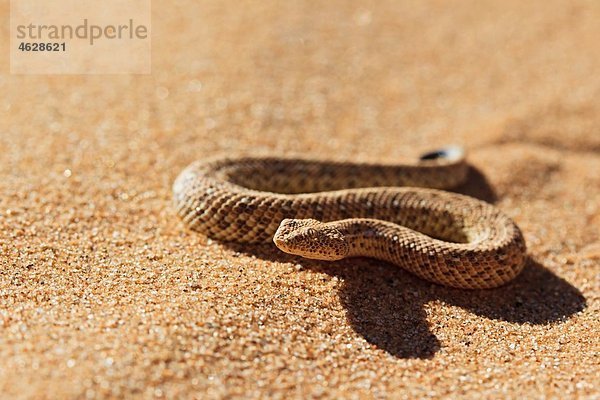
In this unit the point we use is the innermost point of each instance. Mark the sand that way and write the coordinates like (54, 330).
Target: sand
(104, 293)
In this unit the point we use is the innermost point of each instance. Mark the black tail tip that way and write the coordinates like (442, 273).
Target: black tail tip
(450, 153)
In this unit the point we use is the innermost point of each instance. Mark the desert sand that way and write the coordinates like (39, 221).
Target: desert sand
(105, 293)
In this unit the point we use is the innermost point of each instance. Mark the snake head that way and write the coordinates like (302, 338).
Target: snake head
(310, 238)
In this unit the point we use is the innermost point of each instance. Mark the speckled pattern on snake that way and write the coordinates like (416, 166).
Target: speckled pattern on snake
(331, 210)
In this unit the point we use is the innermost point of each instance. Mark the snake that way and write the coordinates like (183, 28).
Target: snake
(403, 214)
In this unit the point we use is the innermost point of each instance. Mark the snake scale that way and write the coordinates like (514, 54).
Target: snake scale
(331, 210)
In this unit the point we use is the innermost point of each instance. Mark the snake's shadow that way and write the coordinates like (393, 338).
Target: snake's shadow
(385, 304)
(476, 185)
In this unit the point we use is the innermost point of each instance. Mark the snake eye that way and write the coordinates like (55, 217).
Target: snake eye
(311, 232)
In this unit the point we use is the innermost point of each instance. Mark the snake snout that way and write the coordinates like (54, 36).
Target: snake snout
(311, 239)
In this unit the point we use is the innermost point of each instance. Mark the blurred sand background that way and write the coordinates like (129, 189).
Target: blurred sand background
(103, 292)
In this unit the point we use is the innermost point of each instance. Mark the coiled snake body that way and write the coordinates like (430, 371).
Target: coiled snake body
(331, 210)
